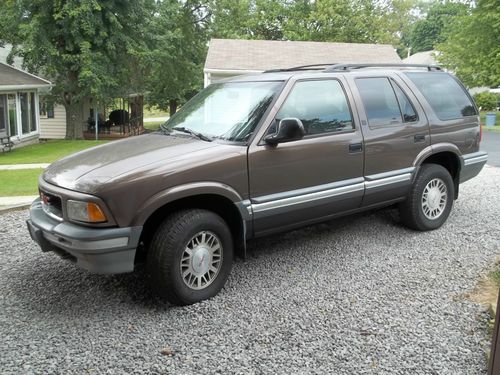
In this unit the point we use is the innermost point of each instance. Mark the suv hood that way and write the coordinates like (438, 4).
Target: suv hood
(86, 170)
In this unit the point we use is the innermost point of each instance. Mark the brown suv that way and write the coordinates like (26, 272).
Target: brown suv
(258, 154)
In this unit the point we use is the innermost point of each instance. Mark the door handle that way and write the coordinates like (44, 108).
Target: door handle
(355, 147)
(419, 138)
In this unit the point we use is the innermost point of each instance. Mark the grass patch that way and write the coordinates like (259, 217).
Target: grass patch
(46, 152)
(495, 275)
(154, 112)
(153, 126)
(486, 293)
(491, 128)
(19, 182)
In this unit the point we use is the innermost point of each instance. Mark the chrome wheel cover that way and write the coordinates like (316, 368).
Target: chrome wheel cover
(201, 260)
(434, 198)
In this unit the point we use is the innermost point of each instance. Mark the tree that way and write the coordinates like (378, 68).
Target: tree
(80, 45)
(174, 60)
(360, 21)
(472, 48)
(428, 32)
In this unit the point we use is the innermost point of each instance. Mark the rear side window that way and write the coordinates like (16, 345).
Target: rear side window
(407, 110)
(444, 94)
(379, 100)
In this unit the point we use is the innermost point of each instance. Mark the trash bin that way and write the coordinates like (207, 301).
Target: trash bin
(490, 119)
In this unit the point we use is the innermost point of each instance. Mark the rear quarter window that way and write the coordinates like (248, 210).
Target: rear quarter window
(444, 94)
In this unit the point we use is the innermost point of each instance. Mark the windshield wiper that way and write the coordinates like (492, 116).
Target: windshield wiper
(192, 132)
(163, 128)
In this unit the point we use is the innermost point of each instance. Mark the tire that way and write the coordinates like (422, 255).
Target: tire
(186, 244)
(424, 208)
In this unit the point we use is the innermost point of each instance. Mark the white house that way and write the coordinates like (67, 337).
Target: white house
(19, 103)
(231, 57)
(52, 116)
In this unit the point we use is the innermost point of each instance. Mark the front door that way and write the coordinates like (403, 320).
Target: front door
(395, 131)
(318, 176)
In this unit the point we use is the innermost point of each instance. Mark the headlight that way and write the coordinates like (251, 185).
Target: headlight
(88, 212)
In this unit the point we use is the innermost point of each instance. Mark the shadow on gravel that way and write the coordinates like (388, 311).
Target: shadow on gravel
(60, 289)
(302, 236)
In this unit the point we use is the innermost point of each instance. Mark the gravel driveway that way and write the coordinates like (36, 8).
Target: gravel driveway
(353, 296)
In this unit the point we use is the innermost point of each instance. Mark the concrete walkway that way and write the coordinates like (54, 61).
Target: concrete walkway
(12, 203)
(23, 201)
(13, 167)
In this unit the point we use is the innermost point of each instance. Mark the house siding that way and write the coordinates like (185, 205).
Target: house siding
(54, 128)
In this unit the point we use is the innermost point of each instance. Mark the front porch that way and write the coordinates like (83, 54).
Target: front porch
(121, 118)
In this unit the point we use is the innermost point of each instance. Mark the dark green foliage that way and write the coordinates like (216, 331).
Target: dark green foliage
(361, 21)
(487, 100)
(85, 47)
(177, 50)
(427, 33)
(472, 46)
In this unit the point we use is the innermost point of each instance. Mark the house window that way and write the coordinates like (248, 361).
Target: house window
(28, 114)
(11, 103)
(3, 115)
(46, 108)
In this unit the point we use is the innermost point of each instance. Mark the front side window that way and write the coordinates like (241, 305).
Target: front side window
(228, 111)
(320, 105)
(379, 100)
(444, 94)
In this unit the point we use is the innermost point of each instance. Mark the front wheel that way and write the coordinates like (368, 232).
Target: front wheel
(190, 257)
(430, 200)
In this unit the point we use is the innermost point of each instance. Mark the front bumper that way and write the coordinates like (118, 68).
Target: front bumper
(99, 250)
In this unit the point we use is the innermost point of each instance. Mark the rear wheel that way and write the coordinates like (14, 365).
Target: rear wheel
(430, 200)
(190, 257)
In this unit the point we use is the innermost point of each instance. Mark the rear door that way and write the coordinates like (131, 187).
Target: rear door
(395, 131)
(312, 178)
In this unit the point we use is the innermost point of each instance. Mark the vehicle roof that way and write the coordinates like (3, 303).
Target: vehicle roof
(311, 73)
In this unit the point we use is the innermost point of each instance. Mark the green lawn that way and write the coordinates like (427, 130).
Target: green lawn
(154, 112)
(153, 125)
(46, 152)
(19, 182)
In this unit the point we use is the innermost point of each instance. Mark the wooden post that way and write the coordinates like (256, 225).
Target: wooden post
(494, 367)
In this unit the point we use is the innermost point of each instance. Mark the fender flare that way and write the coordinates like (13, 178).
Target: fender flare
(175, 193)
(435, 149)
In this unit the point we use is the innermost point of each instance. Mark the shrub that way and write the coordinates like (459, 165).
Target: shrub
(486, 100)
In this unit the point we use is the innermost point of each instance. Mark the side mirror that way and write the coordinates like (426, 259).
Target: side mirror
(289, 129)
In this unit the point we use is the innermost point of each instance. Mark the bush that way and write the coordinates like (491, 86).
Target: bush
(487, 101)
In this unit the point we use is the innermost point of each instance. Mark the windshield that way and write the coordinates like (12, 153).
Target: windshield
(228, 111)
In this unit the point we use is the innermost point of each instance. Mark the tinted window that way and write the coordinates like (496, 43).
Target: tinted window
(409, 114)
(379, 101)
(320, 105)
(446, 97)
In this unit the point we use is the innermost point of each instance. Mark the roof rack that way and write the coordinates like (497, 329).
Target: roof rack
(302, 67)
(347, 67)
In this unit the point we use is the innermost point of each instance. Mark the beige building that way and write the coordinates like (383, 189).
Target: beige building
(19, 104)
(231, 57)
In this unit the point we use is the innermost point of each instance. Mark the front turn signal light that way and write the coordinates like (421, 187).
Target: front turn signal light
(88, 212)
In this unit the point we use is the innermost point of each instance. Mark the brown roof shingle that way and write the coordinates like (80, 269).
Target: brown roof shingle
(239, 54)
(10, 76)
